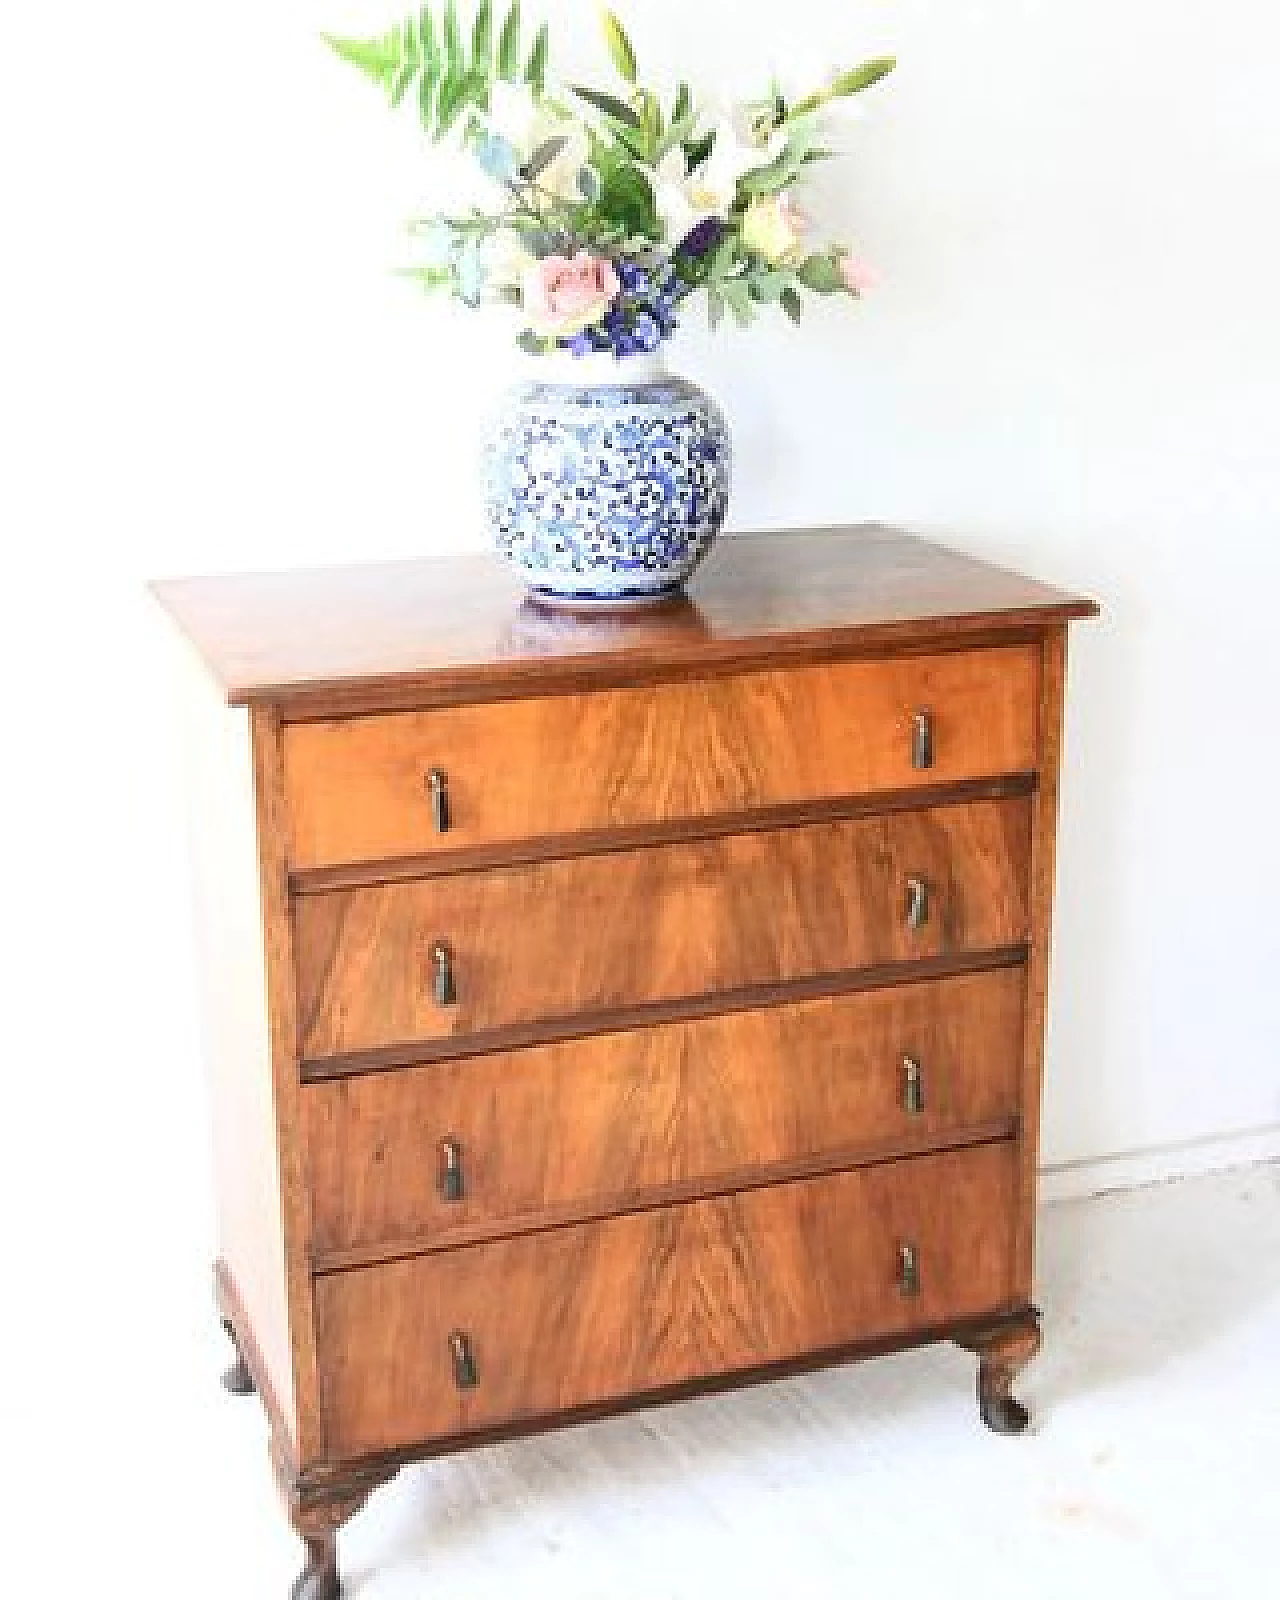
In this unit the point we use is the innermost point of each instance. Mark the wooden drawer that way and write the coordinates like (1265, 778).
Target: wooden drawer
(555, 940)
(620, 1118)
(581, 1315)
(523, 769)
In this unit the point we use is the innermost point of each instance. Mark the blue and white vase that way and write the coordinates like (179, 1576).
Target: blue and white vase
(606, 480)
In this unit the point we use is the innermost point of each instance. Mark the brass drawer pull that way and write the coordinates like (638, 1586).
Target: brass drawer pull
(922, 740)
(438, 789)
(464, 1361)
(917, 903)
(443, 986)
(450, 1184)
(912, 1086)
(908, 1269)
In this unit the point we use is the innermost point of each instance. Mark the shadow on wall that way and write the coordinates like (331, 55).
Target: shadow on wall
(1090, 989)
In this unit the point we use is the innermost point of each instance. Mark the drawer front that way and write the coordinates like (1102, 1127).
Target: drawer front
(561, 939)
(589, 1314)
(410, 1157)
(359, 788)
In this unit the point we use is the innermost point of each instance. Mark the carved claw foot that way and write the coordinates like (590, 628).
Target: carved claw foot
(237, 1379)
(1003, 1352)
(319, 1578)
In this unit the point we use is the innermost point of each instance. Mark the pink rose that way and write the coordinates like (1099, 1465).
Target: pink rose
(563, 296)
(858, 276)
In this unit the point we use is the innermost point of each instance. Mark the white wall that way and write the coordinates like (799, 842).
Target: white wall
(1073, 365)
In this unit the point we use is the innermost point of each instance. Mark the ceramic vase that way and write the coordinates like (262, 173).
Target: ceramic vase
(606, 481)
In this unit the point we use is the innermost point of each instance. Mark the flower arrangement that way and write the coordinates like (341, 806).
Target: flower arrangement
(610, 207)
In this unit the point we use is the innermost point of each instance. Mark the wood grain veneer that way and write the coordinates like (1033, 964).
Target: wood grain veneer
(596, 934)
(611, 1120)
(366, 638)
(674, 893)
(582, 1314)
(565, 764)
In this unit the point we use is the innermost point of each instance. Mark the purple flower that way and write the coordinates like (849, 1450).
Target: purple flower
(647, 331)
(580, 344)
(634, 279)
(702, 238)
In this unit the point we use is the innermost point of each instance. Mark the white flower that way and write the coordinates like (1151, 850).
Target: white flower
(761, 151)
(506, 259)
(685, 200)
(526, 124)
(560, 176)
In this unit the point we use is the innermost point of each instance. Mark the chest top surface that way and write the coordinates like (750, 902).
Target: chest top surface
(455, 628)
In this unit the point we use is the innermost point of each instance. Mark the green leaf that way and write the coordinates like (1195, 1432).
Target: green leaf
(449, 102)
(401, 82)
(650, 120)
(737, 297)
(609, 104)
(769, 285)
(431, 278)
(531, 344)
(725, 259)
(860, 78)
(778, 174)
(679, 133)
(852, 82)
(715, 308)
(480, 83)
(454, 57)
(627, 199)
(822, 274)
(482, 35)
(543, 156)
(509, 45)
(426, 93)
(618, 46)
(379, 58)
(535, 73)
(697, 151)
(683, 106)
(791, 303)
(427, 37)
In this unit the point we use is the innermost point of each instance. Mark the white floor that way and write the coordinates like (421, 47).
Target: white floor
(1152, 1467)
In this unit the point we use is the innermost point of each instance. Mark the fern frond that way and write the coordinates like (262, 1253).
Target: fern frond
(428, 55)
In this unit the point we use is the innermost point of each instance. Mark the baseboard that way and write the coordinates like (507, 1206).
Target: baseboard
(1075, 1180)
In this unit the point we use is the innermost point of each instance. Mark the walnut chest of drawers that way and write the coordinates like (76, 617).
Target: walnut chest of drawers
(604, 1009)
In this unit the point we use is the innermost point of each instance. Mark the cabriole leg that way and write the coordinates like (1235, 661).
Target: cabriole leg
(319, 1578)
(318, 1504)
(237, 1379)
(1003, 1352)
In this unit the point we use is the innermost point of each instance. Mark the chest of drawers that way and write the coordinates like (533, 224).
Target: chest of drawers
(602, 1010)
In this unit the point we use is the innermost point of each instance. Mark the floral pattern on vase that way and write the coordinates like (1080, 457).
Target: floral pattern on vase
(607, 491)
